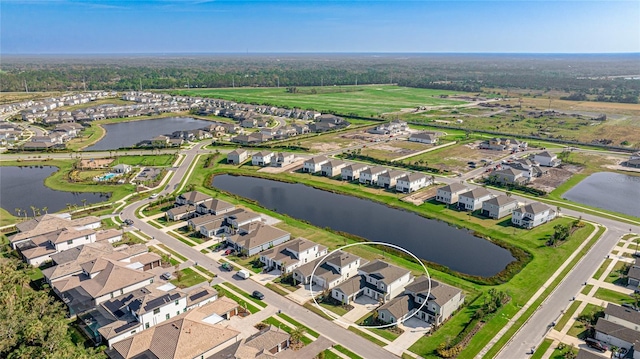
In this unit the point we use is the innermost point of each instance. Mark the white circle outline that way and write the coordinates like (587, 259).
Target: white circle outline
(337, 318)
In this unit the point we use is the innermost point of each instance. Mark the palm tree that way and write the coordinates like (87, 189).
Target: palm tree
(296, 334)
(33, 209)
(84, 203)
(18, 211)
(45, 209)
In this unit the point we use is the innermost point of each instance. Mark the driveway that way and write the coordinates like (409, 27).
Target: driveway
(303, 295)
(414, 329)
(361, 306)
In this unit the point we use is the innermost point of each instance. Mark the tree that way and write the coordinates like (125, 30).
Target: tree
(84, 202)
(45, 209)
(296, 334)
(33, 209)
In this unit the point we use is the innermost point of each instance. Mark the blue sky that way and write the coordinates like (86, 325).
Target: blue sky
(192, 26)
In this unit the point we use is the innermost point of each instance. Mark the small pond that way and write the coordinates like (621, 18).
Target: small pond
(23, 187)
(428, 239)
(607, 190)
(127, 134)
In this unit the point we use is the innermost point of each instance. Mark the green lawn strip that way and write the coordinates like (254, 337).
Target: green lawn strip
(334, 308)
(312, 307)
(346, 352)
(578, 329)
(563, 353)
(155, 224)
(245, 294)
(542, 348)
(477, 339)
(188, 279)
(243, 303)
(602, 268)
(367, 336)
(567, 315)
(406, 356)
(385, 333)
(328, 354)
(618, 274)
(587, 288)
(205, 271)
(276, 288)
(278, 324)
(178, 237)
(173, 253)
(298, 324)
(613, 296)
(162, 160)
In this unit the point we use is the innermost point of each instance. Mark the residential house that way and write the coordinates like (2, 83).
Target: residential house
(412, 182)
(352, 172)
(472, 200)
(188, 335)
(262, 158)
(253, 138)
(434, 302)
(181, 212)
(378, 280)
(388, 179)
(282, 159)
(530, 169)
(499, 206)
(122, 168)
(292, 254)
(370, 175)
(238, 218)
(424, 137)
(314, 164)
(331, 270)
(262, 345)
(633, 276)
(501, 144)
(332, 168)
(256, 237)
(238, 156)
(193, 198)
(532, 215)
(509, 176)
(214, 206)
(449, 194)
(547, 159)
(634, 160)
(619, 327)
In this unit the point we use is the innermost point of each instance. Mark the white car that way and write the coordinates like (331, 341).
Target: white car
(155, 195)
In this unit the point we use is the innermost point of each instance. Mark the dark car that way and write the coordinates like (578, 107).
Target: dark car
(128, 222)
(227, 266)
(630, 306)
(257, 295)
(596, 344)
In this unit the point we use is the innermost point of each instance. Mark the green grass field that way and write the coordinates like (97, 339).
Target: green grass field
(360, 100)
(188, 278)
(148, 160)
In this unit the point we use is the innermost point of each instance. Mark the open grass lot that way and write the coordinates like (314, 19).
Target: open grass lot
(88, 136)
(371, 100)
(148, 160)
(618, 274)
(454, 158)
(188, 278)
(394, 149)
(545, 260)
(104, 101)
(9, 97)
(579, 329)
(614, 297)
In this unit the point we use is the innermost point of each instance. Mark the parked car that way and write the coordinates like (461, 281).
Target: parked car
(621, 353)
(596, 345)
(155, 195)
(630, 306)
(165, 276)
(227, 267)
(257, 295)
(128, 221)
(229, 251)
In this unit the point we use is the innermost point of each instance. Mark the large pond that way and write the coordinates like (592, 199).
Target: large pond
(608, 190)
(429, 239)
(23, 187)
(127, 134)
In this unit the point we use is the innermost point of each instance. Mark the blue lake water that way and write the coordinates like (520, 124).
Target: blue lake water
(607, 190)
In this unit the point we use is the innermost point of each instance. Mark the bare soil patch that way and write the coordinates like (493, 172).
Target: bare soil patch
(555, 177)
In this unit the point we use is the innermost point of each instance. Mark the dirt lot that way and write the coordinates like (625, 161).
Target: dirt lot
(555, 177)
(455, 158)
(419, 197)
(95, 163)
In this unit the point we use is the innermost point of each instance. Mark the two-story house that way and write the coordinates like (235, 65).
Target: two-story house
(472, 200)
(262, 158)
(282, 159)
(256, 237)
(620, 327)
(238, 156)
(332, 168)
(214, 206)
(352, 172)
(547, 159)
(498, 207)
(449, 194)
(532, 215)
(314, 164)
(292, 254)
(331, 271)
(193, 198)
(389, 179)
(370, 175)
(412, 182)
(378, 280)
